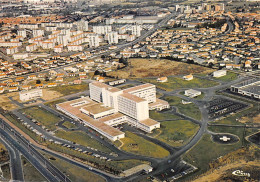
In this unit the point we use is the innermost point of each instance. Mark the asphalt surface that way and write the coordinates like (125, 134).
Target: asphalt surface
(18, 142)
(25, 152)
(15, 160)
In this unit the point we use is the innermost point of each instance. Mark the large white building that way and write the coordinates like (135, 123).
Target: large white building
(136, 30)
(82, 25)
(112, 37)
(109, 106)
(192, 93)
(38, 32)
(219, 73)
(102, 29)
(250, 88)
(31, 94)
(93, 40)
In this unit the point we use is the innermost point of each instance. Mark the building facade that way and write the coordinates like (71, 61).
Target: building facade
(30, 95)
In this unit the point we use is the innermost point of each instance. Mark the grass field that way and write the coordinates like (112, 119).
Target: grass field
(81, 138)
(246, 159)
(30, 173)
(211, 150)
(190, 110)
(73, 172)
(69, 125)
(142, 68)
(206, 151)
(70, 89)
(102, 164)
(177, 83)
(227, 78)
(159, 116)
(240, 132)
(43, 116)
(138, 145)
(176, 133)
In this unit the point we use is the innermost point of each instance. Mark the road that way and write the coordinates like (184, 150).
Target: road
(19, 143)
(15, 160)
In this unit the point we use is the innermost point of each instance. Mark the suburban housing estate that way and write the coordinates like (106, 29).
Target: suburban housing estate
(109, 106)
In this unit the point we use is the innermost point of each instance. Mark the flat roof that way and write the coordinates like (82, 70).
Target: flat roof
(138, 87)
(158, 102)
(247, 82)
(111, 117)
(96, 108)
(103, 85)
(30, 91)
(132, 97)
(255, 89)
(99, 124)
(149, 122)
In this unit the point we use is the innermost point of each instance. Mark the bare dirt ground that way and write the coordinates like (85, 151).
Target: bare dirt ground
(5, 102)
(141, 68)
(255, 119)
(50, 94)
(224, 173)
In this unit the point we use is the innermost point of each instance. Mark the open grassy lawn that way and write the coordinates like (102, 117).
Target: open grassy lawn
(176, 133)
(206, 151)
(115, 165)
(159, 116)
(138, 145)
(43, 116)
(212, 150)
(70, 89)
(69, 125)
(240, 132)
(30, 172)
(177, 83)
(229, 77)
(152, 67)
(190, 110)
(81, 138)
(74, 173)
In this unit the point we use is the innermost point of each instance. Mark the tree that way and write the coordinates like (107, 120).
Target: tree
(97, 72)
(211, 65)
(38, 82)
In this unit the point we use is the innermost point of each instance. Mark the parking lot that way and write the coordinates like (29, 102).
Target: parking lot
(221, 107)
(176, 172)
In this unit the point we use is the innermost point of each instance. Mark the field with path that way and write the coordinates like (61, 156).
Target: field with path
(141, 68)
